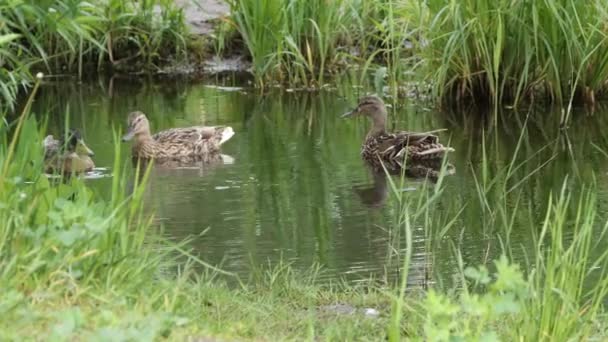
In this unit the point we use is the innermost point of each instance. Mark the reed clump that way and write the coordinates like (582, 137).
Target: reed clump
(497, 53)
(291, 41)
(301, 43)
(506, 52)
(61, 37)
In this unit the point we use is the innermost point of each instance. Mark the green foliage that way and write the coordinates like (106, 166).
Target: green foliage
(563, 292)
(506, 51)
(76, 35)
(136, 31)
(13, 72)
(300, 42)
(473, 316)
(294, 41)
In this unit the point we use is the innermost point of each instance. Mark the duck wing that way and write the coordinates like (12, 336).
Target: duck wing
(194, 134)
(180, 135)
(416, 145)
(197, 140)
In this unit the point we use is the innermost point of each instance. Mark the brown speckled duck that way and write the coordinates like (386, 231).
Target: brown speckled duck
(419, 153)
(182, 145)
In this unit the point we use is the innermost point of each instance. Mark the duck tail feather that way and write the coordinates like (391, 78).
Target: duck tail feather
(226, 134)
(436, 150)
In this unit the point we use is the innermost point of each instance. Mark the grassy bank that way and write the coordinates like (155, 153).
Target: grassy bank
(77, 266)
(80, 37)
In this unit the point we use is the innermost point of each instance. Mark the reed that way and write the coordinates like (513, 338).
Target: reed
(65, 37)
(14, 73)
(505, 52)
(294, 42)
(556, 292)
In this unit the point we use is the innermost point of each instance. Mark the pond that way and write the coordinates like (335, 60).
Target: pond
(297, 191)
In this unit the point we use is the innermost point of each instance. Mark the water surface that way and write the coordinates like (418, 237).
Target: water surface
(297, 189)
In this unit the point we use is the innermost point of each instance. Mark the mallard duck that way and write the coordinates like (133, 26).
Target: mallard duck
(416, 152)
(189, 144)
(71, 155)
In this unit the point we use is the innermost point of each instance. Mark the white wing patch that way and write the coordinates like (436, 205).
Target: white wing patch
(227, 133)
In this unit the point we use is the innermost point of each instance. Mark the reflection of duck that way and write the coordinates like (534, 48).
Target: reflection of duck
(208, 161)
(376, 195)
(419, 153)
(179, 146)
(71, 156)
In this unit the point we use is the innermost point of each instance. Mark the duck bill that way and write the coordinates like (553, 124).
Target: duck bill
(83, 149)
(349, 113)
(128, 136)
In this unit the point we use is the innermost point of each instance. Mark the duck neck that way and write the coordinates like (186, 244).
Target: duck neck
(144, 146)
(378, 123)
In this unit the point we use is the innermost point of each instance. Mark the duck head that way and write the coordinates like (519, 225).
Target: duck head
(371, 106)
(138, 125)
(75, 143)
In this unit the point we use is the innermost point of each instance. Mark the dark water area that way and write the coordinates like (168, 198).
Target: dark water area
(294, 187)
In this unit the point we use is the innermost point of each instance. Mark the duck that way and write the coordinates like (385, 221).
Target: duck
(417, 153)
(176, 145)
(70, 155)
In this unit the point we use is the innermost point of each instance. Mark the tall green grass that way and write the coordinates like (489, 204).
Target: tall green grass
(291, 41)
(504, 52)
(557, 291)
(14, 73)
(300, 43)
(64, 37)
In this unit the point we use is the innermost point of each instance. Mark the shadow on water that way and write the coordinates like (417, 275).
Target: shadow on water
(297, 189)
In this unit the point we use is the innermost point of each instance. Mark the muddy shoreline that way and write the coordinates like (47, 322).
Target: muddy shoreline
(202, 18)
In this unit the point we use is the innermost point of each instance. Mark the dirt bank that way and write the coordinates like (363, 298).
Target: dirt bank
(201, 14)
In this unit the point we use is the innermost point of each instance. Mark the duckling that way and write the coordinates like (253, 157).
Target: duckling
(197, 143)
(71, 156)
(413, 151)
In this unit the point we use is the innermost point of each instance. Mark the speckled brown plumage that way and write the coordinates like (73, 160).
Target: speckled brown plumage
(419, 154)
(176, 145)
(403, 149)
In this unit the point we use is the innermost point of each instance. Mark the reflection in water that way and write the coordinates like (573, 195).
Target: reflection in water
(296, 188)
(202, 163)
(374, 196)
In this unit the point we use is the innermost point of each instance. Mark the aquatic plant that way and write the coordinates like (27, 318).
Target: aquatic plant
(67, 36)
(557, 291)
(508, 51)
(14, 72)
(292, 41)
(148, 32)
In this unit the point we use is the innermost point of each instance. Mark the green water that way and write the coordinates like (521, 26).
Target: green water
(298, 191)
